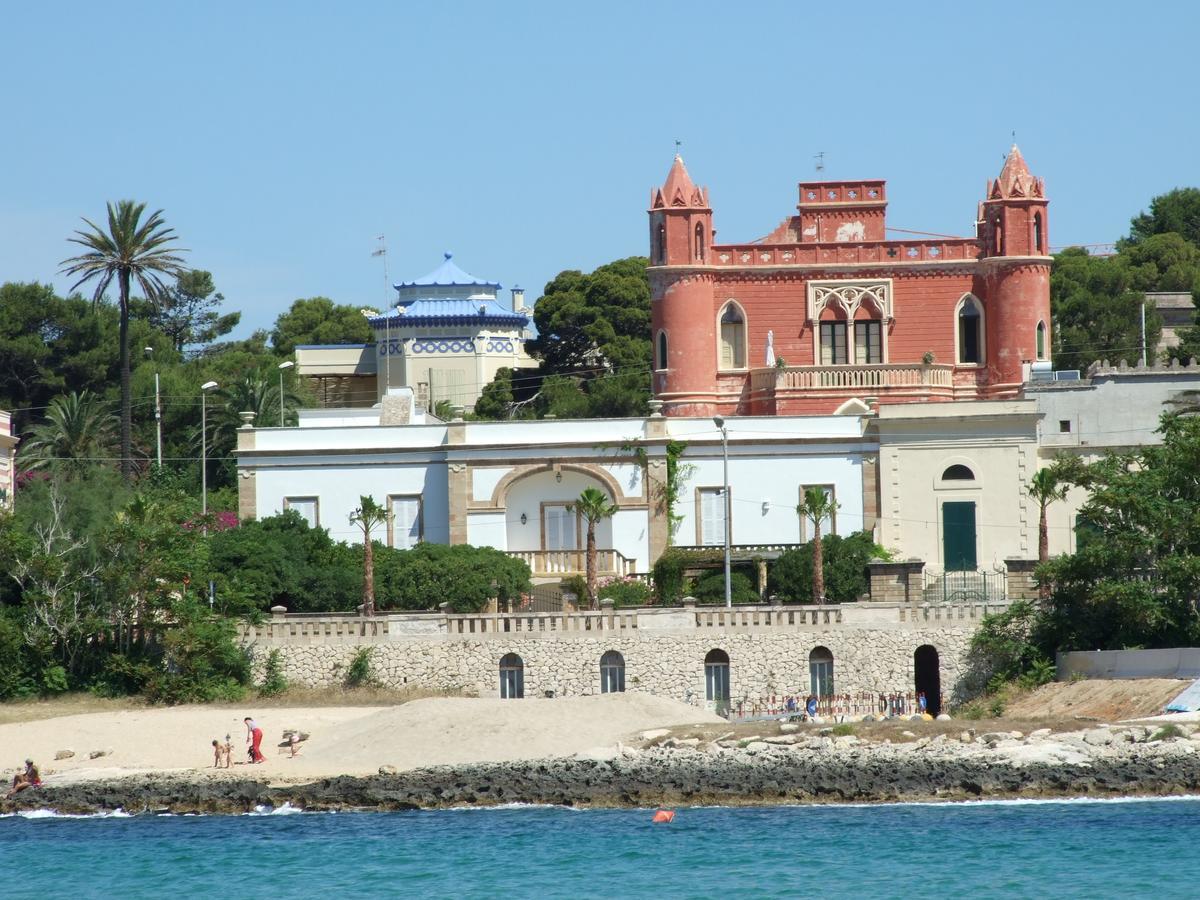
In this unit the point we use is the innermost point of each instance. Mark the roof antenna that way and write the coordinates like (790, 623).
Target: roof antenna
(820, 161)
(381, 250)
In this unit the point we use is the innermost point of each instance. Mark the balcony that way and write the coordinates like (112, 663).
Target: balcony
(774, 390)
(563, 563)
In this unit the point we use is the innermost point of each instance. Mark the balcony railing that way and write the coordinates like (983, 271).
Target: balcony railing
(874, 377)
(574, 562)
(889, 253)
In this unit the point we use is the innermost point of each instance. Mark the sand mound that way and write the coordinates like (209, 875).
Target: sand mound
(1098, 699)
(344, 740)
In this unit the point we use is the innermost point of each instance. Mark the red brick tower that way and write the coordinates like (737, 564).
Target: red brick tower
(683, 321)
(1014, 237)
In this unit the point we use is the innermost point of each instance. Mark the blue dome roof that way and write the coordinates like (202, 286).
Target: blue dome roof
(451, 312)
(447, 275)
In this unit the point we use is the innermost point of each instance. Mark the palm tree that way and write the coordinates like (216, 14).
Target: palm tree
(80, 429)
(593, 504)
(130, 250)
(815, 506)
(369, 516)
(1045, 487)
(256, 392)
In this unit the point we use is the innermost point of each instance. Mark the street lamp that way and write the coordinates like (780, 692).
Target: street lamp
(282, 366)
(720, 423)
(149, 351)
(204, 389)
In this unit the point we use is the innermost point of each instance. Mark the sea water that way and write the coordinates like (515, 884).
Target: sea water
(1090, 848)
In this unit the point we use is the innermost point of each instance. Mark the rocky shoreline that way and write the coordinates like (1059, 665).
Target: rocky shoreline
(779, 769)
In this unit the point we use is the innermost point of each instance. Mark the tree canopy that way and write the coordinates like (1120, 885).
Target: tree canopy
(1176, 211)
(318, 320)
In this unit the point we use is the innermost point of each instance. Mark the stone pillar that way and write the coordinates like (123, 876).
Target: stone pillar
(1020, 581)
(760, 565)
(247, 481)
(897, 582)
(458, 478)
(870, 492)
(606, 607)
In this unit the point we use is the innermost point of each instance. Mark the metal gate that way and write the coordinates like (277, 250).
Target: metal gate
(543, 598)
(965, 587)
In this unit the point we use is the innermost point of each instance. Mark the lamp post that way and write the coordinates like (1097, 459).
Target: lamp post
(157, 409)
(720, 423)
(282, 366)
(204, 389)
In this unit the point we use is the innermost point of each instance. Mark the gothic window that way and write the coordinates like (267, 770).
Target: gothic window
(970, 331)
(733, 337)
(699, 242)
(868, 342)
(1037, 233)
(1041, 340)
(662, 244)
(833, 343)
(662, 350)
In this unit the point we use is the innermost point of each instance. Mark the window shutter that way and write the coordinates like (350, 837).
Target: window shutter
(406, 522)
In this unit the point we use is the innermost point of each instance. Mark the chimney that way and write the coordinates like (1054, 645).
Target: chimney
(518, 298)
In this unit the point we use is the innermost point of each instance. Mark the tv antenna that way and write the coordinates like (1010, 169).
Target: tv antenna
(820, 161)
(381, 251)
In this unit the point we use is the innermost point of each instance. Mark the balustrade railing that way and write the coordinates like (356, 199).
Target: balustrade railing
(574, 562)
(873, 377)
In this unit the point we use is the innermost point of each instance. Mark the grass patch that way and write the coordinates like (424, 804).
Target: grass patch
(842, 730)
(1167, 731)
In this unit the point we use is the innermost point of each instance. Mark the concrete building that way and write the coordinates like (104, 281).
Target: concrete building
(445, 339)
(1177, 311)
(825, 309)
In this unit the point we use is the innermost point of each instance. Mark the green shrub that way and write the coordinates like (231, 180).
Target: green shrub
(15, 677)
(577, 585)
(273, 683)
(124, 675)
(461, 575)
(624, 591)
(359, 672)
(203, 660)
(54, 680)
(1167, 731)
(1003, 648)
(710, 588)
(844, 561)
(668, 576)
(842, 730)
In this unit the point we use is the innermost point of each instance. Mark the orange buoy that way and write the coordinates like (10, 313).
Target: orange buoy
(664, 815)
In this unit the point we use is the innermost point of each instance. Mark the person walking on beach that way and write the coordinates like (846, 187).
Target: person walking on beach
(254, 737)
(26, 779)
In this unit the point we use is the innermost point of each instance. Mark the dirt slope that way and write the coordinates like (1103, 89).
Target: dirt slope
(1104, 700)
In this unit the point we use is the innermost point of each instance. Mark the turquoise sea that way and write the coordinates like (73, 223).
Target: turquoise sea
(1001, 849)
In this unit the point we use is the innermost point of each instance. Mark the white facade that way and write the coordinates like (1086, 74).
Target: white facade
(510, 485)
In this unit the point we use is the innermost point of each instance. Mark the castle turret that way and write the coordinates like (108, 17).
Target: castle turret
(684, 325)
(1013, 230)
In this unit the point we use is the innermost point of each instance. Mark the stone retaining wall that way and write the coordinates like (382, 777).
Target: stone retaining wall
(764, 659)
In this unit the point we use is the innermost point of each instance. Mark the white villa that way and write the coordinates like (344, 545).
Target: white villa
(445, 338)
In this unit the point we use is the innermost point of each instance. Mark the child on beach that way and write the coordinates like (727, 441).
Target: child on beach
(222, 754)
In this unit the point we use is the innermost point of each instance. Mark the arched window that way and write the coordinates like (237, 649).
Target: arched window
(699, 244)
(662, 244)
(1037, 233)
(1041, 339)
(512, 677)
(958, 472)
(833, 339)
(820, 672)
(970, 331)
(716, 677)
(662, 350)
(733, 337)
(612, 673)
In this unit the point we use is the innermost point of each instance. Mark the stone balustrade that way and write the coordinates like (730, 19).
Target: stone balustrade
(574, 562)
(873, 378)
(890, 253)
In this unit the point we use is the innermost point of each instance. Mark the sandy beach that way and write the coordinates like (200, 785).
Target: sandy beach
(343, 740)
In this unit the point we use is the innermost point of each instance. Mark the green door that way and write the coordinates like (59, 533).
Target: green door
(958, 536)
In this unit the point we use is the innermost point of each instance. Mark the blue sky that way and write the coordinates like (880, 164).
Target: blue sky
(281, 139)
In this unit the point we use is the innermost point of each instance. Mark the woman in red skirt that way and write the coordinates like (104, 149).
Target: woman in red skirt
(254, 734)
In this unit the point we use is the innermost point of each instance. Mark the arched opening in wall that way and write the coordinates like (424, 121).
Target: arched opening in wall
(820, 672)
(958, 472)
(716, 679)
(662, 350)
(927, 677)
(661, 247)
(970, 331)
(732, 352)
(612, 673)
(998, 237)
(512, 677)
(699, 242)
(1037, 235)
(1041, 340)
(868, 336)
